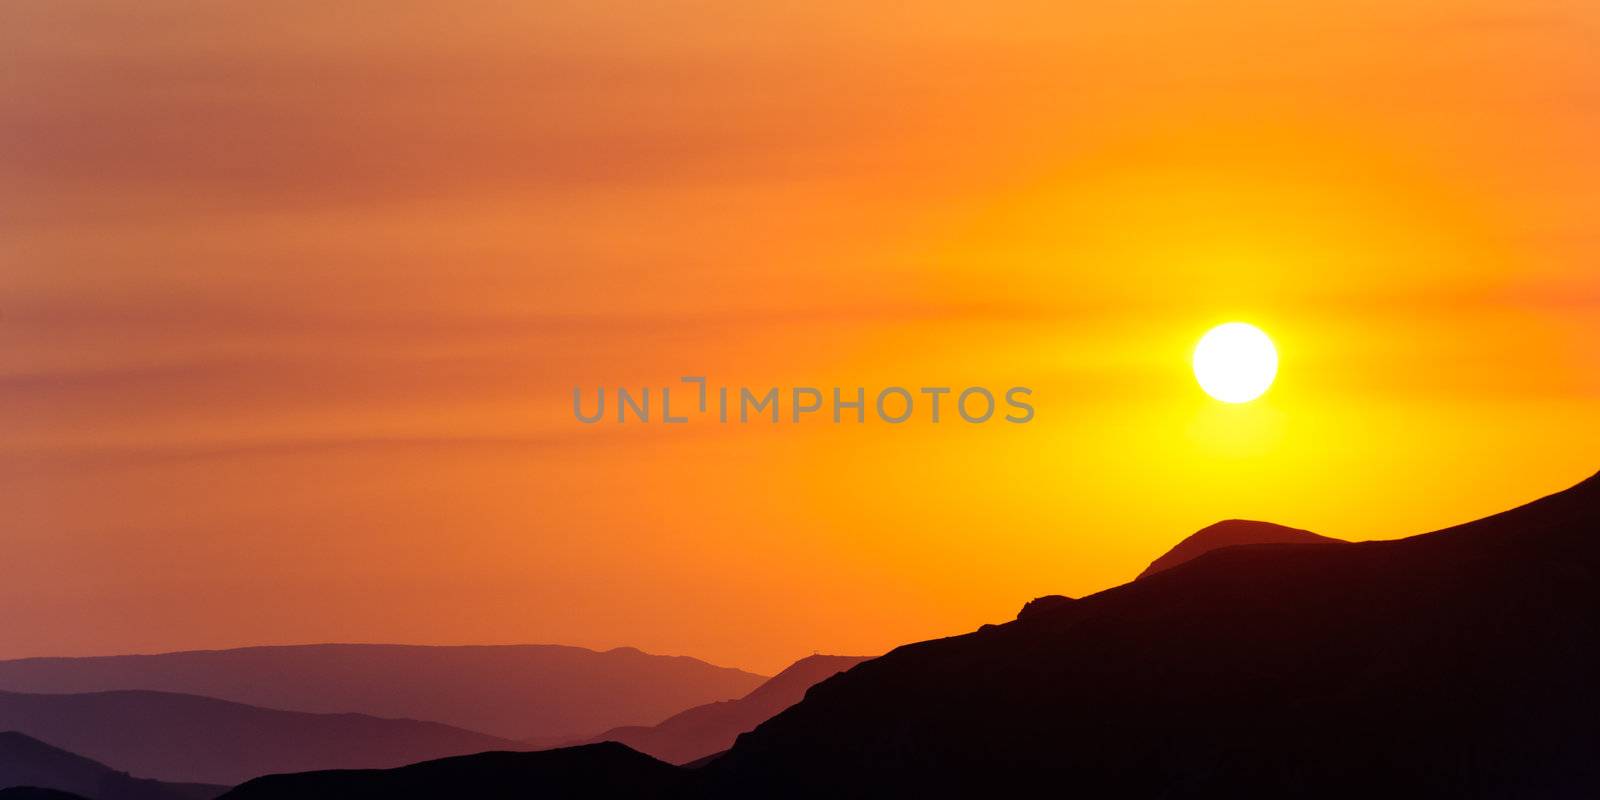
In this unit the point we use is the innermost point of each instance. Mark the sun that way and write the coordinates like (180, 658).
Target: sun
(1235, 363)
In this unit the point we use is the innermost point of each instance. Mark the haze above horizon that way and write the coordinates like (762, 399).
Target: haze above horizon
(295, 299)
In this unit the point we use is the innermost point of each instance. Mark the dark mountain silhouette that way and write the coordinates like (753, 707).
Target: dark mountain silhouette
(35, 793)
(705, 730)
(1229, 533)
(178, 737)
(32, 792)
(607, 769)
(1459, 663)
(516, 691)
(28, 762)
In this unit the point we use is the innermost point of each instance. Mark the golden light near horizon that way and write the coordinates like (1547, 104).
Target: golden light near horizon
(1235, 362)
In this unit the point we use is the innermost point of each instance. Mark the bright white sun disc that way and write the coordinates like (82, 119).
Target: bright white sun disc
(1235, 363)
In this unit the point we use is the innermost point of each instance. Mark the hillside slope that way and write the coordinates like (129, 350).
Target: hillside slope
(704, 730)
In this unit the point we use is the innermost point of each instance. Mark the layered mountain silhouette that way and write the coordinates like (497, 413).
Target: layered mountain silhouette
(518, 692)
(705, 730)
(30, 768)
(1230, 533)
(1459, 663)
(178, 737)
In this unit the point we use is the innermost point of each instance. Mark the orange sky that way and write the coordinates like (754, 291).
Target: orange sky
(292, 301)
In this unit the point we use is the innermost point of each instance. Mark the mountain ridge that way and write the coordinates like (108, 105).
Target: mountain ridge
(604, 769)
(1456, 662)
(1232, 533)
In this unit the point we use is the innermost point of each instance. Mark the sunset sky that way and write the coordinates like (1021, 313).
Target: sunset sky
(293, 297)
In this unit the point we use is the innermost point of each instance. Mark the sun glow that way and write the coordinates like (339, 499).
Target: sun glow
(1235, 363)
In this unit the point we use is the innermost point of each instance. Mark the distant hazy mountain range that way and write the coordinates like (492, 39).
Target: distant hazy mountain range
(179, 737)
(705, 730)
(1459, 663)
(28, 762)
(524, 692)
